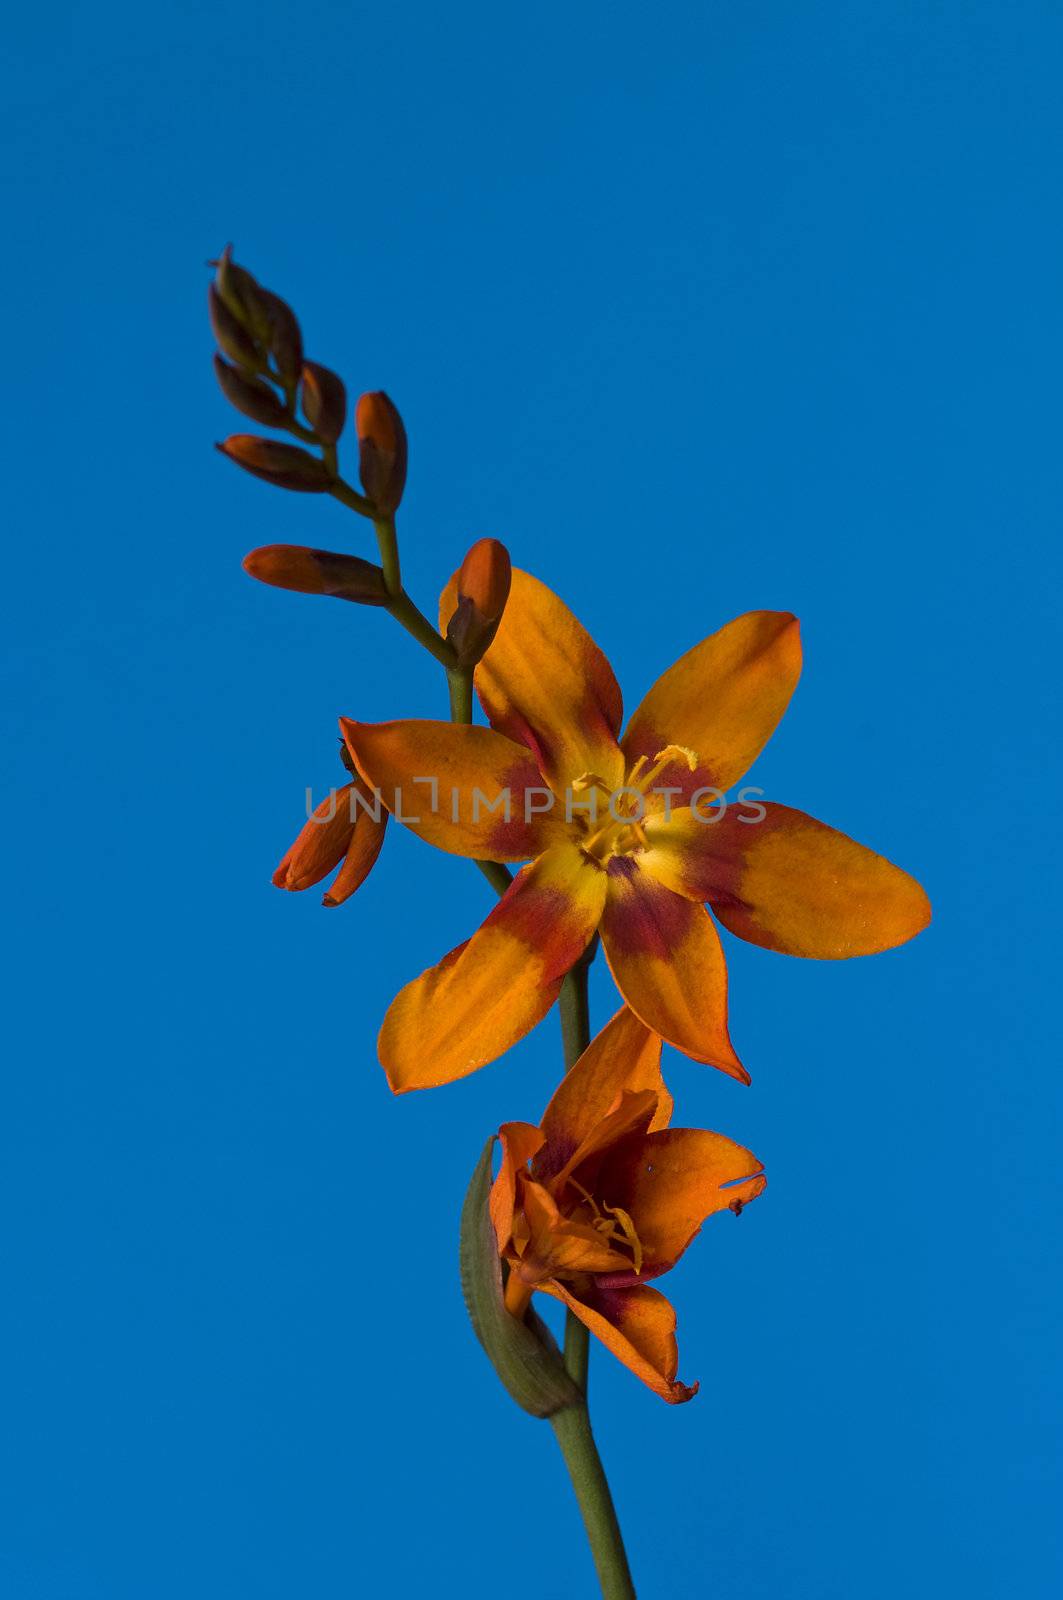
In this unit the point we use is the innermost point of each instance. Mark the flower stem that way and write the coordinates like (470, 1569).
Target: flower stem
(415, 622)
(572, 1427)
(574, 1005)
(459, 683)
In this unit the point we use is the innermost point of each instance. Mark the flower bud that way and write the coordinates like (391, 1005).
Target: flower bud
(347, 830)
(236, 342)
(282, 464)
(249, 395)
(321, 845)
(284, 339)
(295, 566)
(240, 293)
(324, 399)
(483, 589)
(382, 450)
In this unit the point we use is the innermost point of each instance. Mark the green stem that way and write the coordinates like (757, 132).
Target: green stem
(342, 491)
(573, 1429)
(459, 685)
(388, 544)
(415, 622)
(574, 1005)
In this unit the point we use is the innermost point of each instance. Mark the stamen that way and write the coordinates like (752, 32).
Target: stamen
(588, 1197)
(630, 1234)
(589, 780)
(676, 752)
(622, 1231)
(638, 779)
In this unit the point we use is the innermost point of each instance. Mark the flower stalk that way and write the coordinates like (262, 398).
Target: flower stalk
(572, 1427)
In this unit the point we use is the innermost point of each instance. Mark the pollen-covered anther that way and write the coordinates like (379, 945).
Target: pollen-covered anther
(619, 1231)
(677, 752)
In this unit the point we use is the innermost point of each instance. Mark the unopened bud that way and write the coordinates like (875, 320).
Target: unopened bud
(483, 589)
(240, 293)
(295, 566)
(285, 341)
(282, 464)
(234, 339)
(249, 395)
(382, 450)
(324, 401)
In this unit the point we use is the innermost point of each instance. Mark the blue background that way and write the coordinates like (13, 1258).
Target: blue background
(701, 309)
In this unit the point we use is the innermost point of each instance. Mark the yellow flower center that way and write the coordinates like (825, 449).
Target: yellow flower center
(622, 832)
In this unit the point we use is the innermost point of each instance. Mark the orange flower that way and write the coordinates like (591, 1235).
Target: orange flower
(344, 828)
(640, 871)
(604, 1195)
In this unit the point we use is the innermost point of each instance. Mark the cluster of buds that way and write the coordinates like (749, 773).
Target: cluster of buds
(261, 370)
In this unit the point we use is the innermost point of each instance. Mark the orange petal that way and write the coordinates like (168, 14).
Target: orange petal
(666, 957)
(633, 1113)
(722, 701)
(464, 789)
(545, 683)
(368, 836)
(670, 1181)
(624, 1055)
(321, 844)
(492, 990)
(519, 1141)
(789, 883)
(638, 1326)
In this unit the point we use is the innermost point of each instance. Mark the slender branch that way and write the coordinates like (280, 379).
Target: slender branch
(574, 1005)
(572, 1427)
(459, 685)
(388, 544)
(342, 491)
(415, 622)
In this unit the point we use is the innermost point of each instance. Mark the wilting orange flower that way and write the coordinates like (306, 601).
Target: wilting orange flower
(604, 1195)
(346, 827)
(641, 871)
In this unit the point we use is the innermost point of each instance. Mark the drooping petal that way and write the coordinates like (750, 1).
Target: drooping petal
(668, 964)
(638, 1326)
(321, 844)
(669, 1182)
(624, 1055)
(519, 1141)
(492, 990)
(788, 882)
(365, 845)
(722, 701)
(545, 683)
(463, 789)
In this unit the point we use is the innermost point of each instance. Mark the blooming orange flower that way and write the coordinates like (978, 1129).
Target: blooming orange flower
(343, 829)
(641, 872)
(604, 1195)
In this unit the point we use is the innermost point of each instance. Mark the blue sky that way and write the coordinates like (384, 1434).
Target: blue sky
(718, 308)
